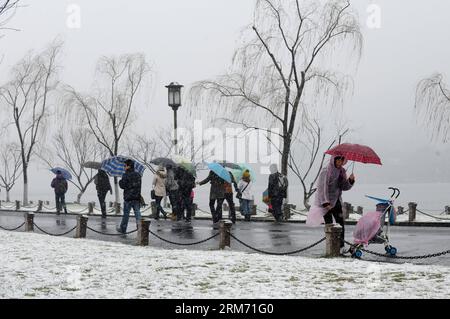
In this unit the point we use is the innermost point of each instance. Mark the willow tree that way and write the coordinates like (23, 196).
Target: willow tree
(286, 63)
(26, 98)
(433, 106)
(10, 167)
(7, 10)
(109, 110)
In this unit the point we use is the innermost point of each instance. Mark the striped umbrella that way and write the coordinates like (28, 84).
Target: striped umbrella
(115, 166)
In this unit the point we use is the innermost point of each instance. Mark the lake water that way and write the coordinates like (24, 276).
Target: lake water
(431, 197)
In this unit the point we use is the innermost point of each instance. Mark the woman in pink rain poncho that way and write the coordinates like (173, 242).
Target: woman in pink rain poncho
(332, 181)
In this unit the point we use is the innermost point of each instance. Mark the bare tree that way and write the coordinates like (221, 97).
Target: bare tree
(72, 150)
(10, 167)
(433, 106)
(309, 162)
(7, 10)
(26, 96)
(108, 112)
(276, 73)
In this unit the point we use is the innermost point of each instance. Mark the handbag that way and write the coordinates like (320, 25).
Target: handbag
(152, 194)
(239, 194)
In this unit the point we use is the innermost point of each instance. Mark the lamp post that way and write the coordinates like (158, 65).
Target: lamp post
(174, 90)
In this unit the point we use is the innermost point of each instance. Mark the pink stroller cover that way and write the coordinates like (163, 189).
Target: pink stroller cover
(367, 227)
(315, 216)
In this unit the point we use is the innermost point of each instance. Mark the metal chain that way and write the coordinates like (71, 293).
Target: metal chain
(77, 212)
(401, 257)
(298, 212)
(108, 234)
(12, 229)
(45, 232)
(49, 208)
(440, 218)
(274, 253)
(184, 244)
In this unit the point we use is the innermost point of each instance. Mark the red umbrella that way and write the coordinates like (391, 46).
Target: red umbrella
(356, 153)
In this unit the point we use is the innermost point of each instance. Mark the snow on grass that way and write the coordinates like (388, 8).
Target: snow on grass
(39, 266)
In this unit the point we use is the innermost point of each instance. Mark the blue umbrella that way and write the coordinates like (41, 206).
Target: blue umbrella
(65, 173)
(220, 171)
(115, 166)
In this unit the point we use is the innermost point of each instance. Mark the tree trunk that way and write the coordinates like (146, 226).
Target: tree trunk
(80, 194)
(7, 196)
(25, 185)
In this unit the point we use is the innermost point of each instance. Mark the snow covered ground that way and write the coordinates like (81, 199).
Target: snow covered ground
(39, 266)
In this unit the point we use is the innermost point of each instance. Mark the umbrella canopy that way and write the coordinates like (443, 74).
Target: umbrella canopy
(93, 165)
(115, 166)
(356, 153)
(265, 197)
(186, 164)
(237, 173)
(164, 161)
(220, 171)
(65, 173)
(229, 165)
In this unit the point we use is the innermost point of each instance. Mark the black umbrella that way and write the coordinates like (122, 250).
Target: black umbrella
(93, 165)
(164, 161)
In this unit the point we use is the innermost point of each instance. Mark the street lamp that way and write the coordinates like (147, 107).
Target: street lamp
(174, 89)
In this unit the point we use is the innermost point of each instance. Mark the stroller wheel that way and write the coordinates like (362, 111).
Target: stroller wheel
(387, 248)
(393, 251)
(357, 254)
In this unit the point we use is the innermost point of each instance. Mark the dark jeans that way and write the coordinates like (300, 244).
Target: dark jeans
(127, 205)
(185, 204)
(232, 209)
(159, 208)
(216, 212)
(277, 212)
(174, 197)
(60, 200)
(338, 215)
(101, 198)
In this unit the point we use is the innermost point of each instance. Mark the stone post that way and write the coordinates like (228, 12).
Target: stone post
(81, 226)
(287, 211)
(47, 203)
(346, 209)
(194, 209)
(333, 240)
(225, 207)
(254, 207)
(117, 208)
(225, 227)
(143, 231)
(90, 208)
(412, 211)
(40, 204)
(400, 210)
(17, 204)
(153, 209)
(29, 221)
(447, 210)
(111, 204)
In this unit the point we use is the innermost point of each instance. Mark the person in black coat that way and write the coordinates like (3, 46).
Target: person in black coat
(278, 185)
(131, 184)
(186, 183)
(103, 186)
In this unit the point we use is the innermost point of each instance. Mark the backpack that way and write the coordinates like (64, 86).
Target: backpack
(60, 186)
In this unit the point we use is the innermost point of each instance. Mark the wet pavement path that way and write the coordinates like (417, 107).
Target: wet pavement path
(266, 236)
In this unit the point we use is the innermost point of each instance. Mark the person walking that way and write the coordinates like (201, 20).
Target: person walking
(172, 188)
(103, 186)
(229, 197)
(186, 183)
(159, 189)
(331, 183)
(216, 196)
(245, 194)
(131, 184)
(278, 185)
(60, 186)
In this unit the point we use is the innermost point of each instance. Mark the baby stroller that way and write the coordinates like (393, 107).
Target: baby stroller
(370, 227)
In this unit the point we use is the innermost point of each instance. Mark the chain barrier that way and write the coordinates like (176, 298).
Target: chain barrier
(401, 257)
(56, 235)
(184, 244)
(278, 254)
(77, 212)
(298, 212)
(12, 229)
(439, 218)
(109, 234)
(30, 206)
(49, 208)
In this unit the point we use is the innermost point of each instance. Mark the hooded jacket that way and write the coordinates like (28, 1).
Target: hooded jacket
(217, 186)
(159, 182)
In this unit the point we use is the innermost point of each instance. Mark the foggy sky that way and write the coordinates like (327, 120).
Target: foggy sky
(187, 41)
